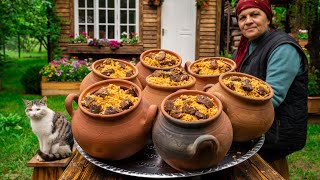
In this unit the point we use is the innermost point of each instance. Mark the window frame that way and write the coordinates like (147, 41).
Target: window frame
(117, 24)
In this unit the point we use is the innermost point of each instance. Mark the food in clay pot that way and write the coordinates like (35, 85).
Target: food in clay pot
(247, 101)
(161, 83)
(191, 131)
(112, 121)
(110, 68)
(156, 59)
(208, 70)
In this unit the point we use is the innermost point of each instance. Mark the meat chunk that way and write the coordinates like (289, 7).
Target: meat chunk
(168, 106)
(132, 91)
(111, 110)
(205, 101)
(126, 103)
(200, 115)
(108, 72)
(95, 108)
(262, 91)
(189, 110)
(102, 92)
(213, 64)
(129, 73)
(160, 56)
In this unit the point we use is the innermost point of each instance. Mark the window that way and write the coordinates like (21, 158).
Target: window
(106, 19)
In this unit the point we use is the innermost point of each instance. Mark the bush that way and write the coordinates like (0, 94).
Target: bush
(31, 80)
(10, 121)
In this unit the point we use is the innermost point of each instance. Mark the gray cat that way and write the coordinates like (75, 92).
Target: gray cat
(52, 129)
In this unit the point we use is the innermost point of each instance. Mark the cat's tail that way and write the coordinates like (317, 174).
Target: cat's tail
(49, 157)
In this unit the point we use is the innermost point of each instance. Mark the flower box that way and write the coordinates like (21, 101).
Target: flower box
(85, 49)
(52, 88)
(314, 104)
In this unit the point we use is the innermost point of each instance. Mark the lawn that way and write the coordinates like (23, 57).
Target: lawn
(18, 144)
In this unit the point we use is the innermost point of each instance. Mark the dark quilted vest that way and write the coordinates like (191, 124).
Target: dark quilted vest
(289, 129)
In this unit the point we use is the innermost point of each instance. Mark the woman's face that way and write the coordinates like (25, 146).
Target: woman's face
(253, 22)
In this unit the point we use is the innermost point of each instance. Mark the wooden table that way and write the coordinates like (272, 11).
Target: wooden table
(253, 168)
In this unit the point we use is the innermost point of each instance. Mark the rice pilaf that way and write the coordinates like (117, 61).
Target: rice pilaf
(110, 99)
(191, 108)
(114, 69)
(161, 59)
(247, 86)
(210, 66)
(173, 77)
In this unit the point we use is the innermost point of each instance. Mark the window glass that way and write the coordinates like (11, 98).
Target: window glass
(123, 29)
(91, 31)
(82, 28)
(82, 3)
(102, 16)
(82, 16)
(111, 32)
(123, 3)
(132, 3)
(111, 16)
(102, 3)
(110, 3)
(90, 16)
(132, 17)
(132, 29)
(123, 16)
(90, 3)
(102, 32)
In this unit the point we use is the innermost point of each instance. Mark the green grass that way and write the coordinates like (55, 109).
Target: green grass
(18, 144)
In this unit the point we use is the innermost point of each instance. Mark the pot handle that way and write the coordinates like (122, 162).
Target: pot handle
(150, 116)
(206, 87)
(68, 102)
(214, 145)
(186, 65)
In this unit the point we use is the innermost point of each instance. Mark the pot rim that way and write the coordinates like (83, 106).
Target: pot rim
(98, 62)
(158, 68)
(172, 88)
(191, 92)
(224, 59)
(98, 85)
(256, 99)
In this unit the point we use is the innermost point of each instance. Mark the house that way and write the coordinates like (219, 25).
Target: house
(177, 25)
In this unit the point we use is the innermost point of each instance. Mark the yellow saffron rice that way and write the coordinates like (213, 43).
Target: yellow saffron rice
(151, 61)
(191, 101)
(115, 96)
(202, 67)
(164, 78)
(255, 83)
(119, 72)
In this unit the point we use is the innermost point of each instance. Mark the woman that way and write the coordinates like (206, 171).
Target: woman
(276, 58)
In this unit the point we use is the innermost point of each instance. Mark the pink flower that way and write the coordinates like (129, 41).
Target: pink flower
(84, 33)
(71, 35)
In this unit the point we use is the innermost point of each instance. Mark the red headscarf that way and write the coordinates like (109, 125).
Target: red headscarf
(243, 46)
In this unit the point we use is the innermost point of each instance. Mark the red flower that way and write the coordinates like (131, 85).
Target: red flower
(84, 33)
(71, 35)
(205, 4)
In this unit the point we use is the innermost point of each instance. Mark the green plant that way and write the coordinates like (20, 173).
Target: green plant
(9, 121)
(313, 81)
(31, 80)
(133, 38)
(303, 35)
(202, 3)
(66, 69)
(82, 38)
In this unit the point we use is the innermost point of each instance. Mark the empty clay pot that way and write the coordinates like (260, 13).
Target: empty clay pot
(111, 137)
(145, 69)
(188, 146)
(250, 117)
(95, 76)
(203, 80)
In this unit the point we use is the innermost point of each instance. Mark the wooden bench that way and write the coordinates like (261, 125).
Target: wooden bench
(50, 170)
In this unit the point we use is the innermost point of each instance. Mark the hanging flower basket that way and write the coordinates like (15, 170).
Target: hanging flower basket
(155, 3)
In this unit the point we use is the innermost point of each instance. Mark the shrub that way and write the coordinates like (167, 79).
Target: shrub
(9, 121)
(31, 80)
(313, 82)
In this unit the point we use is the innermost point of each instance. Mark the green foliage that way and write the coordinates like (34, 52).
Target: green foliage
(66, 70)
(279, 17)
(133, 38)
(9, 121)
(313, 81)
(31, 80)
(303, 13)
(202, 3)
(82, 38)
(302, 35)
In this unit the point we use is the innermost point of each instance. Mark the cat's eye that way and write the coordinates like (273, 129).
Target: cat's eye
(38, 109)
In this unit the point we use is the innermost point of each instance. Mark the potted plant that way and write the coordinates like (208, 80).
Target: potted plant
(63, 76)
(302, 37)
(313, 90)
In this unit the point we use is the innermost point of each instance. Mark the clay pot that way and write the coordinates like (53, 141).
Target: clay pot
(111, 137)
(188, 146)
(155, 94)
(145, 69)
(94, 76)
(203, 80)
(250, 117)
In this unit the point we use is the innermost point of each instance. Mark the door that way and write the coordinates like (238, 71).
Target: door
(178, 27)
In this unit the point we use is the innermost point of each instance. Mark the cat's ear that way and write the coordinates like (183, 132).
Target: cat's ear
(44, 100)
(26, 102)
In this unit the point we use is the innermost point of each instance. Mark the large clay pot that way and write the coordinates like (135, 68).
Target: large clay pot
(111, 137)
(188, 146)
(145, 69)
(155, 94)
(203, 80)
(250, 117)
(95, 76)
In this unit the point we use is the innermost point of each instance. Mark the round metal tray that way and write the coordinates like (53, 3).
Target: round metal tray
(148, 163)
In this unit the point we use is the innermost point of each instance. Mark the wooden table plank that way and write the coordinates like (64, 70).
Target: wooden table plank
(251, 169)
